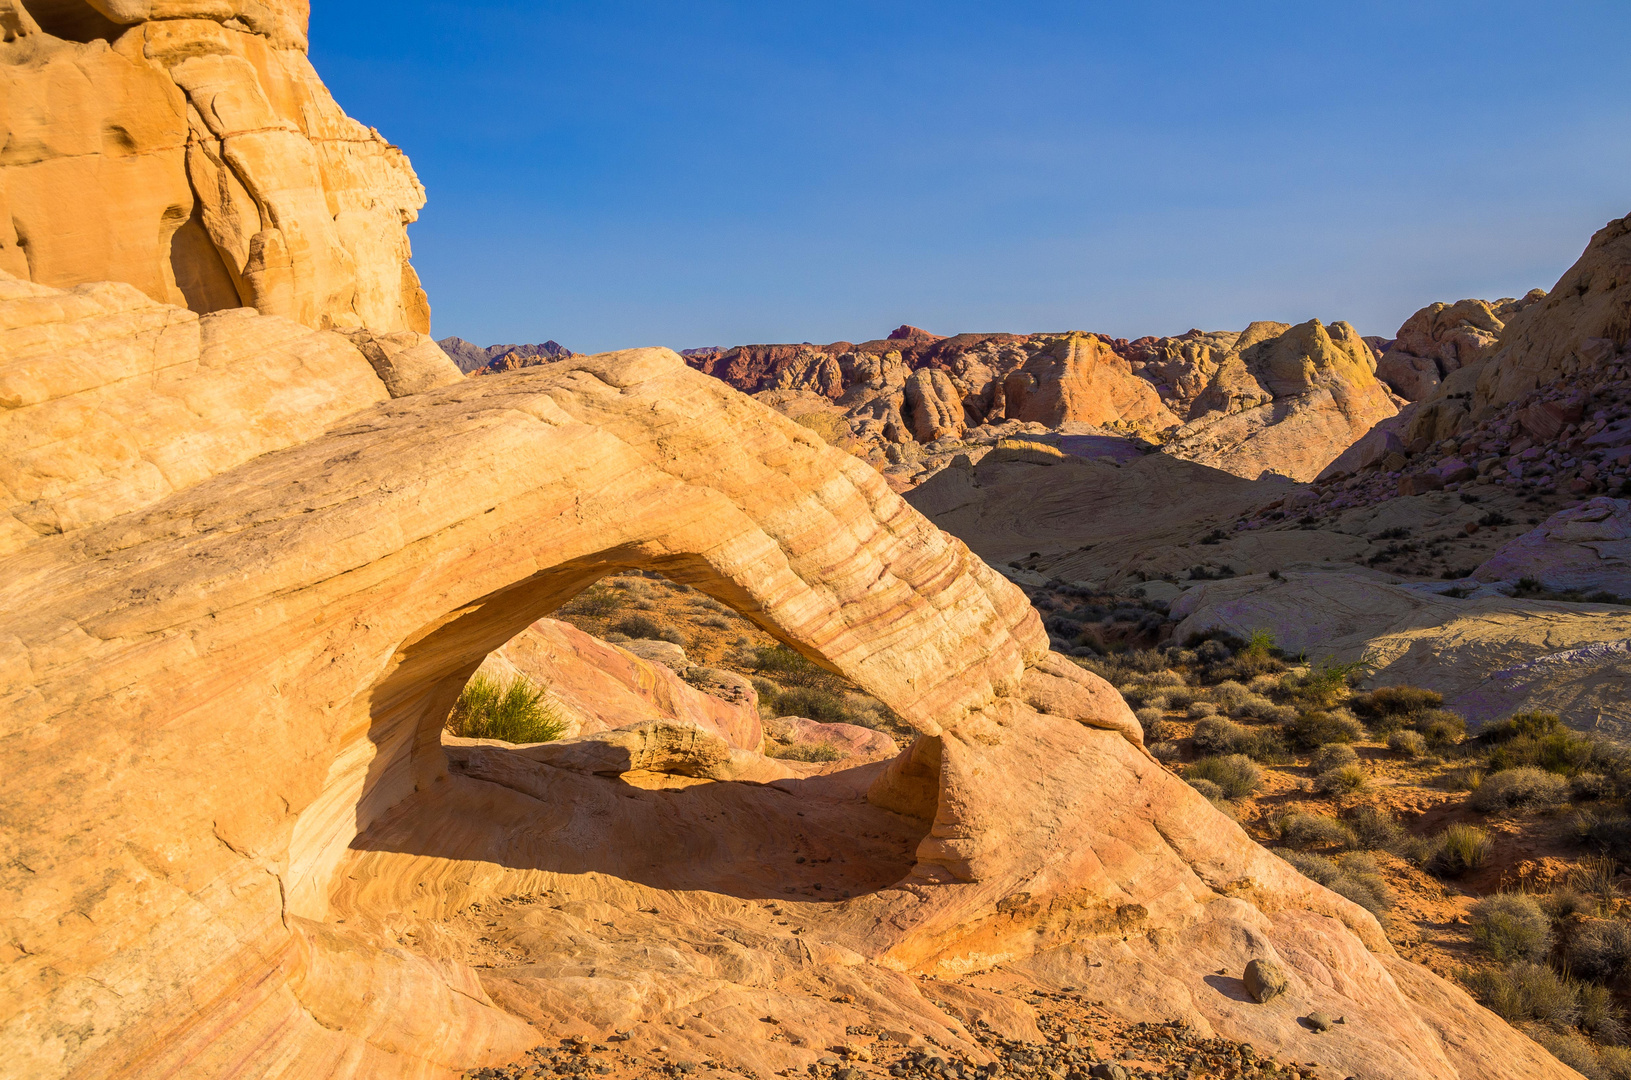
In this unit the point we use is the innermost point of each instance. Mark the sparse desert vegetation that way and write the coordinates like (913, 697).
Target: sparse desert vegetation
(1492, 857)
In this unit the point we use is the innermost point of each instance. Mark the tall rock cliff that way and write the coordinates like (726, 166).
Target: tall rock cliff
(188, 148)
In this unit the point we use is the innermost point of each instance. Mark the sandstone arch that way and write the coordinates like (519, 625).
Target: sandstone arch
(210, 697)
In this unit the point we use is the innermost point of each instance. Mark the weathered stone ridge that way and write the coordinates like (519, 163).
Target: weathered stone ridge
(254, 877)
(110, 401)
(188, 148)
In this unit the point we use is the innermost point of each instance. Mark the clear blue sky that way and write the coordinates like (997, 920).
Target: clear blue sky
(611, 174)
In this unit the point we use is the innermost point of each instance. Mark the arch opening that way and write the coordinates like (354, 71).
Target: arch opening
(838, 802)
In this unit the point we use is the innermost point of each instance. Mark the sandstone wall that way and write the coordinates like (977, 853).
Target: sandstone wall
(188, 148)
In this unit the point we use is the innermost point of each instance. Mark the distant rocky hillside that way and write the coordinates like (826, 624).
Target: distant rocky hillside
(1271, 398)
(471, 357)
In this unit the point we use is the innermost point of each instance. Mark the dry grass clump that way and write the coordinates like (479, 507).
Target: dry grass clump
(1236, 775)
(1527, 991)
(1200, 710)
(1410, 744)
(1354, 876)
(1522, 788)
(1460, 849)
(517, 711)
(817, 751)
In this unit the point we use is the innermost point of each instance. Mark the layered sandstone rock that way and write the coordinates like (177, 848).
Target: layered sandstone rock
(111, 400)
(188, 148)
(248, 853)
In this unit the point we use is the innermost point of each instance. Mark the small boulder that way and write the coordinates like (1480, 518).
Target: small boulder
(1264, 980)
(1109, 1070)
(1319, 1021)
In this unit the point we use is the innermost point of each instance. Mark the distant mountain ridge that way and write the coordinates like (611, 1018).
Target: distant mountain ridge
(471, 357)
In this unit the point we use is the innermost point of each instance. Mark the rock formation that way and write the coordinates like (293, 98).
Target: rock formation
(1442, 338)
(188, 148)
(242, 848)
(1273, 397)
(471, 358)
(112, 400)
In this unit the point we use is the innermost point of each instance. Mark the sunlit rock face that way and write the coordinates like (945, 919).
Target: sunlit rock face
(188, 148)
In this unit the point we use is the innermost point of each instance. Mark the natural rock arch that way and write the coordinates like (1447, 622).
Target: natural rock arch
(210, 698)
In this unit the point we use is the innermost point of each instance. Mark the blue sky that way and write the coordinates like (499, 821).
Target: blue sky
(612, 174)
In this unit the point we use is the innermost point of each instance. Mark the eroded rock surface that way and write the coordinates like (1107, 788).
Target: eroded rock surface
(188, 148)
(275, 866)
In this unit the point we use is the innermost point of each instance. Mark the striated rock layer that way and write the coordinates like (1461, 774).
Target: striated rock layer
(235, 843)
(188, 148)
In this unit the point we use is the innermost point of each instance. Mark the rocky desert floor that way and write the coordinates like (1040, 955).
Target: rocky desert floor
(1374, 794)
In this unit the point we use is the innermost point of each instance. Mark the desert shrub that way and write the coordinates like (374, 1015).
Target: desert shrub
(1374, 829)
(818, 751)
(1218, 736)
(1599, 949)
(1166, 752)
(597, 600)
(1460, 849)
(1253, 705)
(1180, 698)
(1228, 694)
(1590, 786)
(1323, 684)
(1563, 752)
(1157, 730)
(1236, 774)
(1399, 701)
(1596, 876)
(1205, 787)
(1314, 729)
(1149, 716)
(1573, 1050)
(1565, 901)
(788, 667)
(1342, 780)
(1355, 877)
(811, 702)
(1613, 1062)
(1200, 710)
(1408, 744)
(1532, 724)
(1334, 756)
(1314, 830)
(1525, 788)
(1524, 990)
(1440, 728)
(517, 711)
(1600, 1014)
(637, 625)
(714, 622)
(1257, 656)
(1610, 834)
(1511, 926)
